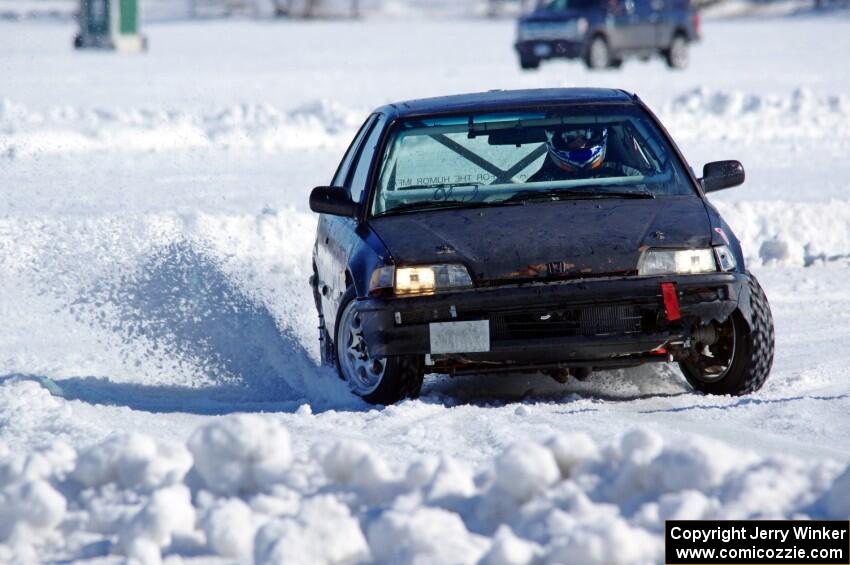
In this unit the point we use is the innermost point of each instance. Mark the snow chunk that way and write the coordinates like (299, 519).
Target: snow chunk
(423, 535)
(572, 449)
(230, 528)
(241, 454)
(54, 460)
(610, 542)
(132, 460)
(169, 512)
(525, 470)
(649, 469)
(508, 549)
(29, 509)
(354, 464)
(323, 532)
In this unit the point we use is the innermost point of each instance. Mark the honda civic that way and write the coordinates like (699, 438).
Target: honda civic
(558, 231)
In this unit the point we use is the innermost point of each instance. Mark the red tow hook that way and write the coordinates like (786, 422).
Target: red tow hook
(671, 301)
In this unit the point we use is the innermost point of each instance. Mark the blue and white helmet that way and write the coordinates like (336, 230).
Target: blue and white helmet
(578, 149)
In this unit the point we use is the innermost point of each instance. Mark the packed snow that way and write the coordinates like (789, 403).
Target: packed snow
(567, 500)
(160, 397)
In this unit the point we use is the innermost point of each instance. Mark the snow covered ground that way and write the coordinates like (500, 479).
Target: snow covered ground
(154, 252)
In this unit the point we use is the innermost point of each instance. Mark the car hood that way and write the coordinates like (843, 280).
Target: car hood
(563, 239)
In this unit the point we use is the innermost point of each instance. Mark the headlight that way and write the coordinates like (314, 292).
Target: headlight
(581, 26)
(677, 262)
(427, 279)
(422, 279)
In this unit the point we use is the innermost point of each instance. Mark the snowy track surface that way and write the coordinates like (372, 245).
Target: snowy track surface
(154, 252)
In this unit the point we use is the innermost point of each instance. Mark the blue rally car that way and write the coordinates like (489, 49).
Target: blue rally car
(554, 230)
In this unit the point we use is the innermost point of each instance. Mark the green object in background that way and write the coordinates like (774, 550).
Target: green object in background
(129, 16)
(110, 24)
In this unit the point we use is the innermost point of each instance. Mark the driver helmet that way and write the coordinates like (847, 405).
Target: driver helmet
(579, 148)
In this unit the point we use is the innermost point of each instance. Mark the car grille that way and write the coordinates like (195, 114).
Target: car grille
(581, 321)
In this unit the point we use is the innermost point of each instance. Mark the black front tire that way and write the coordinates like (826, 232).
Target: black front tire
(677, 55)
(753, 352)
(598, 55)
(402, 377)
(528, 63)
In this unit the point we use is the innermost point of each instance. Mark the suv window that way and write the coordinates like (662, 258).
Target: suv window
(562, 5)
(357, 182)
(345, 165)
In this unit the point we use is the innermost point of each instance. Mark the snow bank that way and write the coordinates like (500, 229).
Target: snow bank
(790, 233)
(702, 113)
(68, 129)
(801, 115)
(248, 496)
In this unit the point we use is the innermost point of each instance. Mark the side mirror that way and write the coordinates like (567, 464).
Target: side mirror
(722, 174)
(332, 200)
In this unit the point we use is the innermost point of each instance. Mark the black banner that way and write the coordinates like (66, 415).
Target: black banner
(756, 542)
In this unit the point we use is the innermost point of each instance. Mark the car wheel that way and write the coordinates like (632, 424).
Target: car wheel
(529, 63)
(739, 361)
(598, 54)
(616, 63)
(377, 381)
(677, 54)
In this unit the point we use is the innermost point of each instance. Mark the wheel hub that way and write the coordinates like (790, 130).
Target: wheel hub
(363, 373)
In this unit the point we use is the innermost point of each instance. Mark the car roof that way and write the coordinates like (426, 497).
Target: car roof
(496, 100)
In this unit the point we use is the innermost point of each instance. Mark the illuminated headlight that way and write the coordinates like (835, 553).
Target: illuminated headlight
(677, 262)
(422, 279)
(427, 279)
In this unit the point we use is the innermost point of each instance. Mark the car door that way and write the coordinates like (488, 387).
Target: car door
(669, 14)
(644, 23)
(663, 22)
(331, 229)
(626, 32)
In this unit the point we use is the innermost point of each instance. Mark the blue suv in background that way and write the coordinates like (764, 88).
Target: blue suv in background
(604, 32)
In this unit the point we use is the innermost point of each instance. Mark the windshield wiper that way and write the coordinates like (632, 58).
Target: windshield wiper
(569, 194)
(424, 205)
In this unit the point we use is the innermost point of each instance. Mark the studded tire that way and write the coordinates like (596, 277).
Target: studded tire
(753, 356)
(403, 375)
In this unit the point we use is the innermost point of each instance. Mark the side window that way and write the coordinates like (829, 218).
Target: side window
(345, 166)
(357, 181)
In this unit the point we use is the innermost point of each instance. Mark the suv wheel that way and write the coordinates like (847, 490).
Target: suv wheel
(740, 361)
(528, 62)
(677, 54)
(598, 54)
(377, 381)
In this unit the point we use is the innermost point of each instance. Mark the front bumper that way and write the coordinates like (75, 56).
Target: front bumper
(578, 322)
(550, 48)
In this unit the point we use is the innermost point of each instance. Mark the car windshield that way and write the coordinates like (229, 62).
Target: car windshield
(605, 151)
